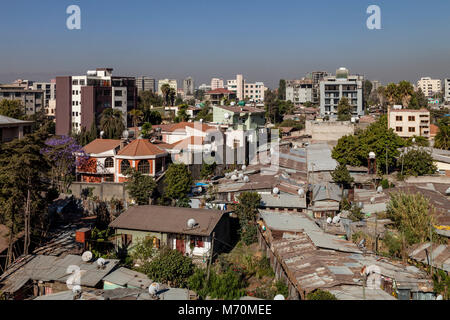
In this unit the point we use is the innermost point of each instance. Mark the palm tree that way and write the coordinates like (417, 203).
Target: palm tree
(172, 95)
(112, 123)
(165, 89)
(442, 139)
(137, 116)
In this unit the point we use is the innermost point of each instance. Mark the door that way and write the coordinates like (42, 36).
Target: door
(180, 245)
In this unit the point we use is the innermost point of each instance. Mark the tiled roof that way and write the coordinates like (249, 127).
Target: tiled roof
(193, 140)
(140, 147)
(101, 145)
(182, 125)
(241, 109)
(220, 91)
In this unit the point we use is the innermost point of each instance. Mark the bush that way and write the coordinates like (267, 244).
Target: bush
(393, 244)
(169, 266)
(320, 295)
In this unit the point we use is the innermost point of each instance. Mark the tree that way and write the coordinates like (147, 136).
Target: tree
(367, 91)
(182, 115)
(282, 90)
(165, 89)
(152, 116)
(320, 295)
(139, 186)
(442, 139)
(342, 176)
(169, 266)
(112, 123)
(344, 110)
(178, 182)
(12, 108)
(147, 130)
(273, 113)
(207, 170)
(136, 116)
(412, 216)
(246, 210)
(172, 96)
(416, 162)
(347, 150)
(147, 99)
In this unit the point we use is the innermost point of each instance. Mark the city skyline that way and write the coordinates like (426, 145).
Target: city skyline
(261, 40)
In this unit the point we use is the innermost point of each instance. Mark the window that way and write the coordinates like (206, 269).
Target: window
(411, 118)
(118, 103)
(197, 241)
(118, 93)
(144, 167)
(398, 129)
(411, 129)
(109, 162)
(398, 118)
(124, 166)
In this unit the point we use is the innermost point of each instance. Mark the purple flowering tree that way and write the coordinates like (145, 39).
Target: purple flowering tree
(64, 155)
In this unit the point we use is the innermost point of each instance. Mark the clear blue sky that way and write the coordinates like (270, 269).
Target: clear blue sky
(264, 40)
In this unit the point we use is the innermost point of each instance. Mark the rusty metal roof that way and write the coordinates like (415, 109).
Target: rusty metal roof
(440, 256)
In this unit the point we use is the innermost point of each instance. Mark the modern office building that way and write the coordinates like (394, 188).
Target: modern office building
(32, 100)
(447, 90)
(188, 86)
(409, 122)
(216, 83)
(81, 99)
(299, 91)
(333, 88)
(171, 82)
(244, 90)
(429, 86)
(144, 83)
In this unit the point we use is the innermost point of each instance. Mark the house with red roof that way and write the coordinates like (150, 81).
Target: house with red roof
(218, 95)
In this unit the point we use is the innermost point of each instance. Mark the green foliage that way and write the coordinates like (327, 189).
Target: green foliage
(100, 242)
(112, 123)
(417, 162)
(393, 244)
(182, 115)
(342, 176)
(441, 282)
(345, 204)
(411, 216)
(320, 295)
(143, 251)
(385, 184)
(147, 99)
(139, 186)
(12, 108)
(228, 285)
(419, 141)
(169, 266)
(356, 214)
(344, 110)
(146, 130)
(207, 170)
(282, 90)
(300, 125)
(246, 210)
(205, 114)
(178, 182)
(442, 138)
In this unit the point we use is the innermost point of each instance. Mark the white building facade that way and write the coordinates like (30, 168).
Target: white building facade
(429, 86)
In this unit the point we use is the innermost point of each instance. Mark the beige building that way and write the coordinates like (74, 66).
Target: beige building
(216, 83)
(429, 86)
(408, 122)
(244, 90)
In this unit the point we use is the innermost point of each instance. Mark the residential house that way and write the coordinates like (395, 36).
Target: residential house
(11, 128)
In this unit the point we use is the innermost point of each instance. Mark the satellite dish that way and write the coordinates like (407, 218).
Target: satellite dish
(191, 223)
(153, 288)
(226, 115)
(241, 175)
(301, 192)
(360, 205)
(234, 177)
(102, 133)
(336, 220)
(380, 189)
(329, 220)
(276, 190)
(86, 256)
(125, 134)
(246, 179)
(244, 167)
(439, 297)
(372, 200)
(279, 297)
(101, 262)
(201, 120)
(76, 289)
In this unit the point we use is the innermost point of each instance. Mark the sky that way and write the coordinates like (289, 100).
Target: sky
(263, 40)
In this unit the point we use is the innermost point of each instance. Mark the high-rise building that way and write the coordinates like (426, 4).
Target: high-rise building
(216, 83)
(429, 86)
(144, 83)
(171, 82)
(333, 88)
(299, 91)
(188, 86)
(81, 99)
(447, 90)
(245, 90)
(32, 100)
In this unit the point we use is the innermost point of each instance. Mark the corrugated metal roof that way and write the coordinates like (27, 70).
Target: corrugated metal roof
(128, 278)
(319, 157)
(283, 200)
(440, 256)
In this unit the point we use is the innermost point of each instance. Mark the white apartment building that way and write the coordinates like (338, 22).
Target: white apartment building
(171, 82)
(447, 90)
(97, 78)
(216, 83)
(409, 122)
(299, 91)
(244, 90)
(429, 86)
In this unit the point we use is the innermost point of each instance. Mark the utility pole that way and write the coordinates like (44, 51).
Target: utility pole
(376, 233)
(210, 256)
(431, 250)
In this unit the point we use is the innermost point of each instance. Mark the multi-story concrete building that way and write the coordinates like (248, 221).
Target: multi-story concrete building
(316, 77)
(171, 82)
(447, 90)
(334, 88)
(144, 83)
(299, 91)
(81, 99)
(409, 122)
(32, 100)
(429, 86)
(204, 87)
(245, 90)
(216, 83)
(188, 86)
(49, 89)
